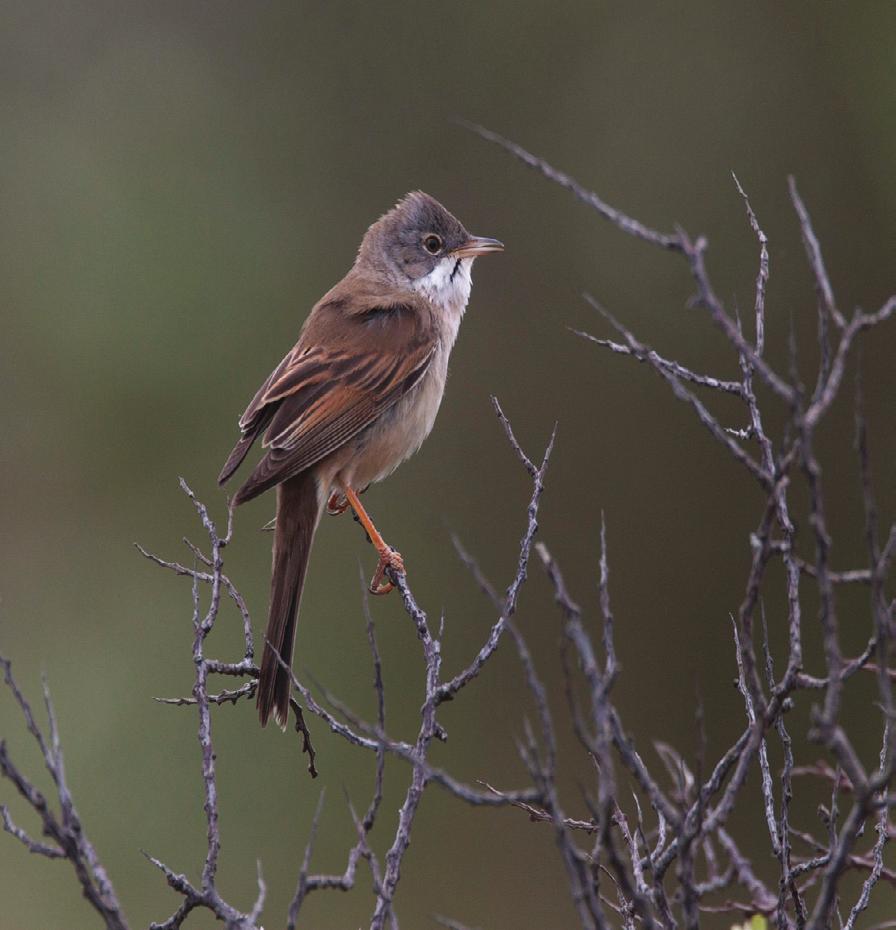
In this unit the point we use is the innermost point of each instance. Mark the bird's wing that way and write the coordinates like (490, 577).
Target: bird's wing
(319, 397)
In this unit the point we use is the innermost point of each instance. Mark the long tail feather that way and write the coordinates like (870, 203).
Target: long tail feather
(298, 512)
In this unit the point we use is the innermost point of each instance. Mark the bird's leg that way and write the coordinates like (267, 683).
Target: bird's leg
(337, 504)
(389, 558)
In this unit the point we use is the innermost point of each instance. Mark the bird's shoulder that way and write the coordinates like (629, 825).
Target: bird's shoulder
(360, 337)
(364, 311)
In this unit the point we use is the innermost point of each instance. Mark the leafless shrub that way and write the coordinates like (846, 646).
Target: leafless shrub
(656, 868)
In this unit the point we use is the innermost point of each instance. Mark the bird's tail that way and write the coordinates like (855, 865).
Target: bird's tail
(298, 512)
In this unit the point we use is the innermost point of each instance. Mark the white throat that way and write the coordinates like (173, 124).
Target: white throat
(447, 286)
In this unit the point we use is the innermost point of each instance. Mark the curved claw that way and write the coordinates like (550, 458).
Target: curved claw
(390, 559)
(337, 504)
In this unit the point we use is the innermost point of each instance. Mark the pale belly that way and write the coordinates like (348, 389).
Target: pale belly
(397, 435)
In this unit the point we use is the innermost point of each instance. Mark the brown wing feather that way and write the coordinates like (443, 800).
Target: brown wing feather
(318, 398)
(291, 374)
(306, 429)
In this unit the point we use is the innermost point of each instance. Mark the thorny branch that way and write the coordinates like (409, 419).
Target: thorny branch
(687, 821)
(653, 846)
(68, 840)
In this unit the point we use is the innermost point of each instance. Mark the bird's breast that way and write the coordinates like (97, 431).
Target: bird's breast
(401, 430)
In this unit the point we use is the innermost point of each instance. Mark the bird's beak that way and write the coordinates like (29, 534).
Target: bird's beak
(477, 245)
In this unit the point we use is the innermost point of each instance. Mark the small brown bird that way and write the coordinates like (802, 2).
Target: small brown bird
(355, 397)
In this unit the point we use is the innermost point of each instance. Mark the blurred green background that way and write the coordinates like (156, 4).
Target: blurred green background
(179, 182)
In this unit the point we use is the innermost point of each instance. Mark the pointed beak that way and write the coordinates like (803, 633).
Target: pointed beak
(477, 245)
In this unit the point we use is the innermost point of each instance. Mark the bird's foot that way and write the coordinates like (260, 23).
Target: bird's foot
(337, 504)
(390, 560)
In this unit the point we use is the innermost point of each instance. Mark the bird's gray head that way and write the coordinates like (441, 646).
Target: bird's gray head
(419, 244)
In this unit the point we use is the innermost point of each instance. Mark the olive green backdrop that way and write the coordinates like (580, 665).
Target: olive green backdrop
(179, 182)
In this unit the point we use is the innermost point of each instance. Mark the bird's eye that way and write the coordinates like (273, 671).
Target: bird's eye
(433, 244)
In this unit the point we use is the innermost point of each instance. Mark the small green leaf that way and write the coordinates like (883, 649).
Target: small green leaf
(756, 922)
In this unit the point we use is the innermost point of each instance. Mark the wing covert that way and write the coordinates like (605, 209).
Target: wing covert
(318, 398)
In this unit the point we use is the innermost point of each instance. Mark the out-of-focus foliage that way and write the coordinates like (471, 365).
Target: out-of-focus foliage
(756, 922)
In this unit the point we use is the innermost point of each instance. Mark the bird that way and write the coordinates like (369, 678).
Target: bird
(355, 397)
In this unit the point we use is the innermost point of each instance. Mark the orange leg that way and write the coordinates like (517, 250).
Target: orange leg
(389, 558)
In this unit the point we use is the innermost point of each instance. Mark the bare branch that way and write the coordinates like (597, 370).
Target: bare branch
(816, 263)
(628, 225)
(657, 361)
(643, 353)
(69, 839)
(763, 273)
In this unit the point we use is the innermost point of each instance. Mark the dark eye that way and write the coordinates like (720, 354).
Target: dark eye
(433, 244)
